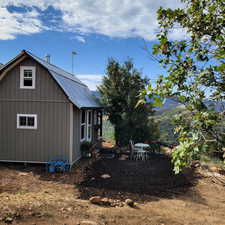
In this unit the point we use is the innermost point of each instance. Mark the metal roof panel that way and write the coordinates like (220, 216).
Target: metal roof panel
(55, 69)
(78, 94)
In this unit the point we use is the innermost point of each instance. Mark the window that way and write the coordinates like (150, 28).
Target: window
(26, 121)
(83, 125)
(27, 77)
(89, 125)
(96, 118)
(98, 122)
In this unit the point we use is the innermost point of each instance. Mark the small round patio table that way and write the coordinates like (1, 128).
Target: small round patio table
(141, 145)
(141, 154)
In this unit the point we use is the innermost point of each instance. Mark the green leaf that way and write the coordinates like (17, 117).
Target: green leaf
(182, 98)
(158, 102)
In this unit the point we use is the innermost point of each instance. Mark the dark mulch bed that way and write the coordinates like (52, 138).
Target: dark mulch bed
(139, 180)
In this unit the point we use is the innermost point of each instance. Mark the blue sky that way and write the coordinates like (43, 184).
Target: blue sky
(96, 30)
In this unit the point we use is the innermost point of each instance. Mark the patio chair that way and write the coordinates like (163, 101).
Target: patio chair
(134, 150)
(142, 155)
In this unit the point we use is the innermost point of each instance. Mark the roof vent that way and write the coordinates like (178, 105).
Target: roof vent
(47, 57)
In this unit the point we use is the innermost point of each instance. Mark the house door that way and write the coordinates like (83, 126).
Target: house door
(89, 125)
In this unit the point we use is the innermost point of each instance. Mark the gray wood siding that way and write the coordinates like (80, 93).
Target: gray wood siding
(48, 101)
(76, 133)
(50, 139)
(46, 88)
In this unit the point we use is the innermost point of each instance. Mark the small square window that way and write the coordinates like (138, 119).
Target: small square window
(26, 121)
(27, 77)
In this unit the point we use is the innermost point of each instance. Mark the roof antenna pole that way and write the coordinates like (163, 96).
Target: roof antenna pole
(47, 56)
(73, 54)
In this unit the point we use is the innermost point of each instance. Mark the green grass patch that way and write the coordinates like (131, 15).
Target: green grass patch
(108, 130)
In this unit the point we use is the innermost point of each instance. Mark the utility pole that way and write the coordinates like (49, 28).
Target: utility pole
(73, 54)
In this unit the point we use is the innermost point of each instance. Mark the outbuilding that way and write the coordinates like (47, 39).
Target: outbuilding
(45, 112)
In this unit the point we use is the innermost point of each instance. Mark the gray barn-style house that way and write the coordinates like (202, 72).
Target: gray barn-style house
(45, 112)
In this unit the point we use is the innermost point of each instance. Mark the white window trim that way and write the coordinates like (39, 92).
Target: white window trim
(89, 125)
(82, 124)
(27, 127)
(33, 69)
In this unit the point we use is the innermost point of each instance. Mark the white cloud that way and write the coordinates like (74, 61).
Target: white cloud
(80, 38)
(91, 80)
(17, 23)
(113, 18)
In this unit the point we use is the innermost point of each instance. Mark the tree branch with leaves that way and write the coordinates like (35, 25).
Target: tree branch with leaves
(196, 73)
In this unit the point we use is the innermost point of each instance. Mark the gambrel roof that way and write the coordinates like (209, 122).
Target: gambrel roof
(76, 91)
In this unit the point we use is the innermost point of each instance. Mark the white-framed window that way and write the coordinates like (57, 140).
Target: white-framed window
(83, 125)
(98, 122)
(27, 77)
(26, 121)
(99, 118)
(89, 125)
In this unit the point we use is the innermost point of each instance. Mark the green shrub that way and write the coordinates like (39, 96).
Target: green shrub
(86, 146)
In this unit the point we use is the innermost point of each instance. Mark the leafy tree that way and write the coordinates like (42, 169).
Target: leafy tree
(196, 71)
(119, 90)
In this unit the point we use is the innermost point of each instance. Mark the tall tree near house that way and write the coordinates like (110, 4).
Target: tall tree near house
(119, 90)
(196, 71)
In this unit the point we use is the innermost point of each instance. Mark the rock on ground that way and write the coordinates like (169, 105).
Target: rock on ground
(95, 200)
(129, 202)
(105, 176)
(87, 222)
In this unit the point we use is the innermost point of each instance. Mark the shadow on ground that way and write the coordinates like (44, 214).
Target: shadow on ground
(141, 181)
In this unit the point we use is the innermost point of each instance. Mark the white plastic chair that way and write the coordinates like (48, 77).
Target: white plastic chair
(142, 155)
(134, 150)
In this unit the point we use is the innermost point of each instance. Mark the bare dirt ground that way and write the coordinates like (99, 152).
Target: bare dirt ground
(29, 195)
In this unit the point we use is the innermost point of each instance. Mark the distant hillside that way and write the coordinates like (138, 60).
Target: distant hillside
(170, 103)
(164, 118)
